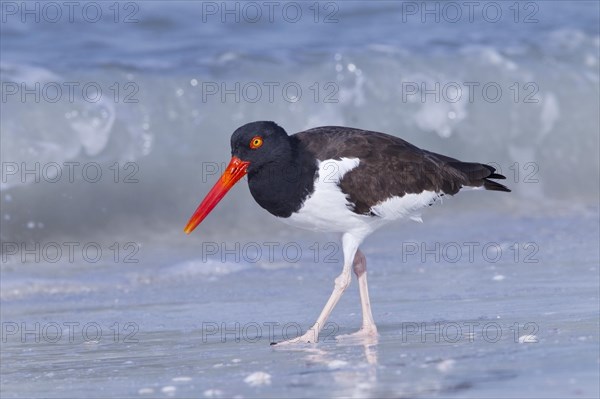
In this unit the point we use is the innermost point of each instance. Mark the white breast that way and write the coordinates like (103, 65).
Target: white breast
(327, 208)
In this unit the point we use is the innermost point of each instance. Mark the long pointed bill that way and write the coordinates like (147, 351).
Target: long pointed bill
(234, 172)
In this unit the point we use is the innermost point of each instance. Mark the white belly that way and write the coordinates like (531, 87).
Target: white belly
(329, 210)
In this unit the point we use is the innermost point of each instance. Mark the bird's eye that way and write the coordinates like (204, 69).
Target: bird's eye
(256, 142)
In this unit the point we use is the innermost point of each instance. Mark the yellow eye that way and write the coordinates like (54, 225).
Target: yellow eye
(256, 142)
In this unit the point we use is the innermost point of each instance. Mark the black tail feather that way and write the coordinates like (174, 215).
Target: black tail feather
(495, 186)
(478, 175)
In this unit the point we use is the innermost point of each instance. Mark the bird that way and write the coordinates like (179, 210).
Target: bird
(341, 180)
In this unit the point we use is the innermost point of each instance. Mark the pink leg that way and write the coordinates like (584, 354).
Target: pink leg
(360, 269)
(368, 328)
(350, 245)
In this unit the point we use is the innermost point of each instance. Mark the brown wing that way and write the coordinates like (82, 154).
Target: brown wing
(392, 167)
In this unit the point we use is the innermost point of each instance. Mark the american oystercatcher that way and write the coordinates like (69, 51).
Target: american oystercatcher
(341, 180)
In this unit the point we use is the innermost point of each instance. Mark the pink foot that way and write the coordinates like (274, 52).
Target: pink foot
(310, 337)
(364, 334)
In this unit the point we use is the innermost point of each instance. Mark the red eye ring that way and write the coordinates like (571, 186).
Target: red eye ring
(256, 142)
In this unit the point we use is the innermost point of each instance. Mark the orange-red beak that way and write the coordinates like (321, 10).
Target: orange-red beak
(234, 172)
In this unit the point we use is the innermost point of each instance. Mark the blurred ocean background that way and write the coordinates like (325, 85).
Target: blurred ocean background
(178, 77)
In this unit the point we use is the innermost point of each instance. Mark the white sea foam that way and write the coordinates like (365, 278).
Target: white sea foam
(258, 378)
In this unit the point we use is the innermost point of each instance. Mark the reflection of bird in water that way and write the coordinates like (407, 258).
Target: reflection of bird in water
(354, 375)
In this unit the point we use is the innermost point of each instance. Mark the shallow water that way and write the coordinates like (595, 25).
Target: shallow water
(466, 324)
